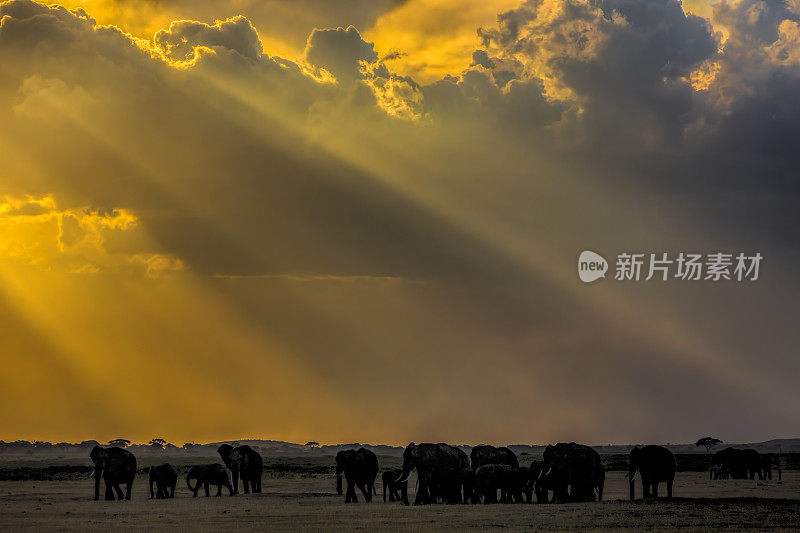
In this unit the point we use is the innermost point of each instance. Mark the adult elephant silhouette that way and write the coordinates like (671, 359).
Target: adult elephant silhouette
(438, 467)
(359, 468)
(536, 486)
(574, 472)
(654, 464)
(116, 466)
(768, 461)
(245, 463)
(165, 477)
(485, 454)
(736, 464)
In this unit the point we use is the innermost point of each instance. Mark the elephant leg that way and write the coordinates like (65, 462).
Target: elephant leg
(366, 490)
(118, 490)
(246, 483)
(655, 489)
(422, 489)
(669, 489)
(219, 491)
(205, 486)
(404, 493)
(109, 490)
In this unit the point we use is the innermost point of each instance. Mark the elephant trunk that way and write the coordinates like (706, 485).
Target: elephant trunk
(96, 484)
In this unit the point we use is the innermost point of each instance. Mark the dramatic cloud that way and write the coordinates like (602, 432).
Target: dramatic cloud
(299, 236)
(340, 52)
(183, 37)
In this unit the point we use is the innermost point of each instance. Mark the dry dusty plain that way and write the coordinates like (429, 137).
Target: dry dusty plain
(299, 495)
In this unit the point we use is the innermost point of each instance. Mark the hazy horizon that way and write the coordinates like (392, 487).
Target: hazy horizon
(403, 445)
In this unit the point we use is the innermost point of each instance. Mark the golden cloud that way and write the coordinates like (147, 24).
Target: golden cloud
(35, 232)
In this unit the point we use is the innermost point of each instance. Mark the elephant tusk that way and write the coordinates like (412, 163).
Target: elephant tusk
(403, 478)
(340, 474)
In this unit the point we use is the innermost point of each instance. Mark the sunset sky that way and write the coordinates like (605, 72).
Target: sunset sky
(359, 221)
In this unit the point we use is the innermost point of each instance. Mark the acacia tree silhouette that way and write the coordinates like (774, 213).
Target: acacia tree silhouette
(708, 442)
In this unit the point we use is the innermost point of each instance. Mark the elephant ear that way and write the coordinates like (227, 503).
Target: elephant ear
(96, 453)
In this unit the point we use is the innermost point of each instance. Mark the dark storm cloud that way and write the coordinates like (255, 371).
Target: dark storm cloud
(339, 51)
(625, 64)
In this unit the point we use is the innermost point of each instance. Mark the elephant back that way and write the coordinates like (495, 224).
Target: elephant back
(485, 454)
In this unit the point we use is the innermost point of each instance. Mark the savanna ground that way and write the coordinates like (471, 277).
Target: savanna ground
(299, 494)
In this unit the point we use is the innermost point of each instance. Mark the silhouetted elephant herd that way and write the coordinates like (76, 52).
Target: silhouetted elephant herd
(569, 472)
(117, 467)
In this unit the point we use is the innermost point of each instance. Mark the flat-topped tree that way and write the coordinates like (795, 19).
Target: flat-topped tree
(708, 442)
